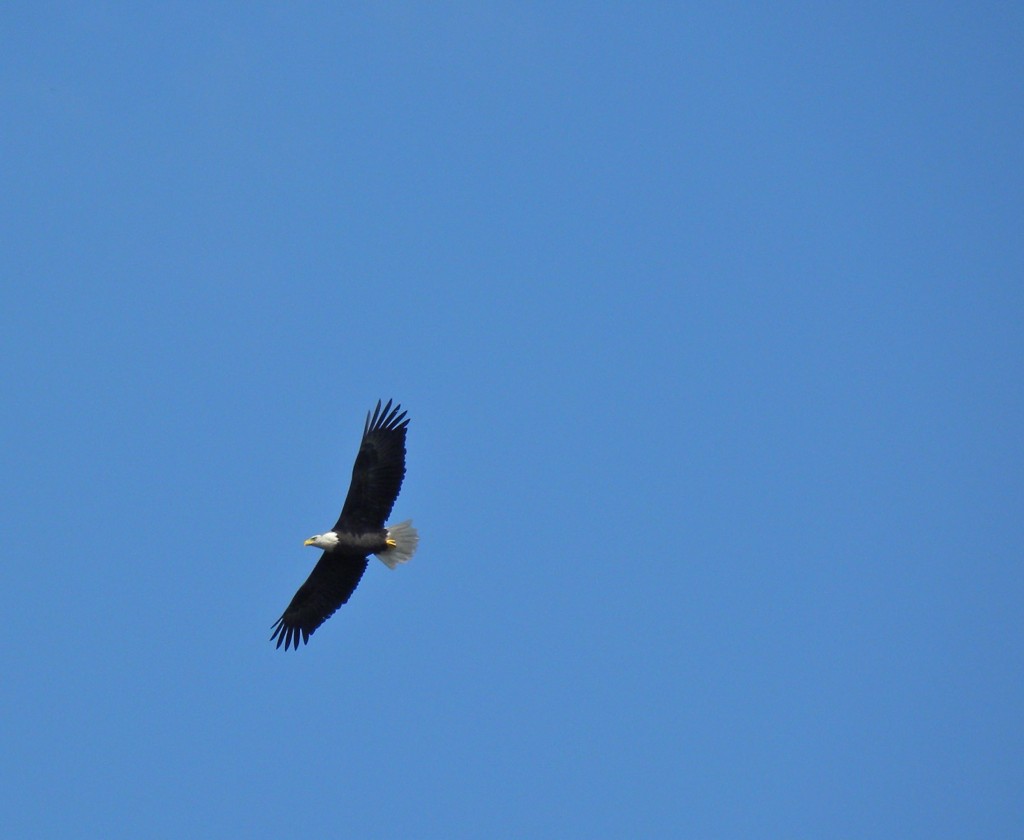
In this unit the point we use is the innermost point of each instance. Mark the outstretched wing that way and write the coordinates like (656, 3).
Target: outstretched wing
(329, 585)
(378, 471)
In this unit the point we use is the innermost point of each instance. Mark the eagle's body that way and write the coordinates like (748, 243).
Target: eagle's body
(359, 532)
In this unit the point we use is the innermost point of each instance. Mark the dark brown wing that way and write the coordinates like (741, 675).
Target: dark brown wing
(378, 471)
(329, 585)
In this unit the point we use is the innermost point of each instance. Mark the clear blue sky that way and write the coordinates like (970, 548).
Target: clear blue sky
(709, 319)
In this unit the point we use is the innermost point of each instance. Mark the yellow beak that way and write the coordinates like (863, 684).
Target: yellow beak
(309, 541)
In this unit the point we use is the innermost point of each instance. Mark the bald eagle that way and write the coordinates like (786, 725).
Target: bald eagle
(359, 532)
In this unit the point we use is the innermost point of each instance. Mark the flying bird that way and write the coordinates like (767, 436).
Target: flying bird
(359, 532)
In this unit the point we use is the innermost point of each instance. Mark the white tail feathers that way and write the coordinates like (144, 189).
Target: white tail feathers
(405, 539)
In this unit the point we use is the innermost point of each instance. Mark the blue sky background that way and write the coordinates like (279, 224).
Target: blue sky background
(708, 318)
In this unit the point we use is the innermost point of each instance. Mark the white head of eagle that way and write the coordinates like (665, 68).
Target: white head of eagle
(325, 541)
